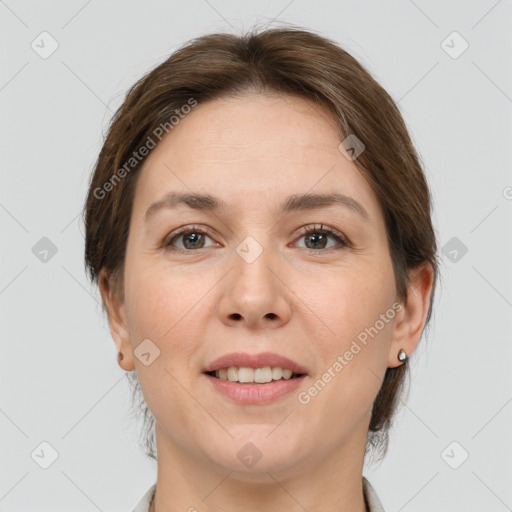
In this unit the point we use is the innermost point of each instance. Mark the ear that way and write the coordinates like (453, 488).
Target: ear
(410, 320)
(117, 320)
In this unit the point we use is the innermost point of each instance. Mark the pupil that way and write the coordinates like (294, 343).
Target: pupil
(316, 236)
(192, 236)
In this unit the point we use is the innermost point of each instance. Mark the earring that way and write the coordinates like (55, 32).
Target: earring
(402, 355)
(120, 356)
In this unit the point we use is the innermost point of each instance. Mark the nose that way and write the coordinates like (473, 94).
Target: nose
(254, 293)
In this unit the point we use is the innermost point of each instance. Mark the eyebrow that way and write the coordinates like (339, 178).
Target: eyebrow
(295, 202)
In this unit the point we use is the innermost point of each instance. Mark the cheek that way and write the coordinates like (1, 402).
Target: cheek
(352, 340)
(349, 304)
(161, 308)
(160, 301)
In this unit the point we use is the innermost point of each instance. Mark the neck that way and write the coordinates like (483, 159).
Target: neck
(327, 484)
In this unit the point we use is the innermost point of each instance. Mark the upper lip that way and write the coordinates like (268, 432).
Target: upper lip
(254, 361)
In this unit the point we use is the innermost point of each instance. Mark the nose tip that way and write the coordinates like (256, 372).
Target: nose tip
(252, 293)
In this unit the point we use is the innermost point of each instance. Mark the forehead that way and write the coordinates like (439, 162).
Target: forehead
(253, 147)
(250, 126)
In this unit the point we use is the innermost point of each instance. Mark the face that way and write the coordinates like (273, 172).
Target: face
(309, 280)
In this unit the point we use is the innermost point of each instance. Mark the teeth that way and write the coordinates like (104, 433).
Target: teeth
(259, 375)
(287, 374)
(263, 375)
(277, 373)
(232, 374)
(245, 375)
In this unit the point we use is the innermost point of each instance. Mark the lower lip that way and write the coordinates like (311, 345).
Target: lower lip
(249, 393)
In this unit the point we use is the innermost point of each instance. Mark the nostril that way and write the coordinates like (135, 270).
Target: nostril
(271, 315)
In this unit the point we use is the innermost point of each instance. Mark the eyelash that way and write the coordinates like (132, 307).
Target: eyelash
(321, 229)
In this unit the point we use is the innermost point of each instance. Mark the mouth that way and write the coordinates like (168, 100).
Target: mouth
(255, 379)
(254, 386)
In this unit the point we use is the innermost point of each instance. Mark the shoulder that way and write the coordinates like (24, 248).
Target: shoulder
(371, 498)
(143, 505)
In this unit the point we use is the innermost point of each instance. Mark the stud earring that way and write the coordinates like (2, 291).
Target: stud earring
(402, 355)
(120, 356)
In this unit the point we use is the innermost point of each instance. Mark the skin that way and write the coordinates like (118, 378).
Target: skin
(252, 151)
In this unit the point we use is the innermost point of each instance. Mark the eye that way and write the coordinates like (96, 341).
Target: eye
(317, 237)
(194, 237)
(191, 237)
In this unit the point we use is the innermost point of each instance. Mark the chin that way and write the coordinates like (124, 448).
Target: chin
(252, 453)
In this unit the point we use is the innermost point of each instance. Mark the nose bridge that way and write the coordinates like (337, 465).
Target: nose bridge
(253, 294)
(252, 262)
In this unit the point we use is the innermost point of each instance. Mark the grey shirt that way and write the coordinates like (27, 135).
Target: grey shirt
(370, 496)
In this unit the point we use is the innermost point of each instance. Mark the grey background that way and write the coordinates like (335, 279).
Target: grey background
(60, 382)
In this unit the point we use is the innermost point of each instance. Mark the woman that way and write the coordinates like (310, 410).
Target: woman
(259, 226)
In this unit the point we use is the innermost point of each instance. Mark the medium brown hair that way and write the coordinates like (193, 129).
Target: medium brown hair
(282, 60)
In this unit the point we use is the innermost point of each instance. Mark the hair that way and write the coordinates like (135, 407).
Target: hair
(275, 60)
